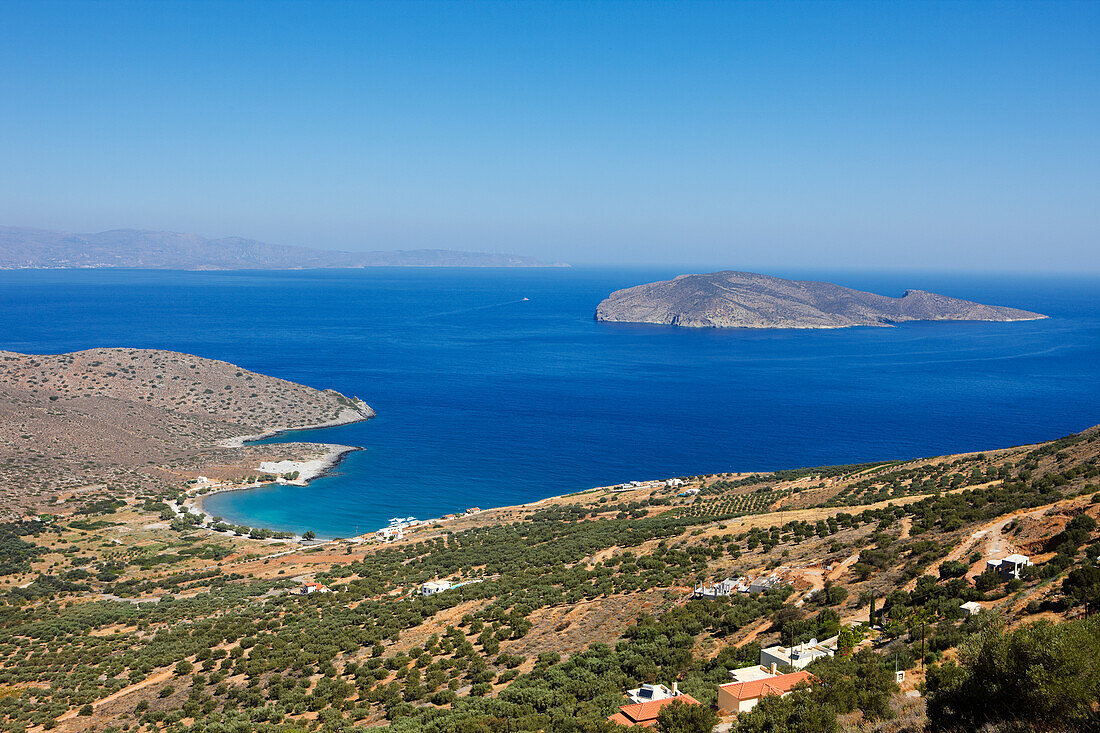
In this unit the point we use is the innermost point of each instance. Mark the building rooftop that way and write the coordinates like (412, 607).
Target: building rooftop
(752, 674)
(648, 692)
(645, 714)
(778, 685)
(801, 654)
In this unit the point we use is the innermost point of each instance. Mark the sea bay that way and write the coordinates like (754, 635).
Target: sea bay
(485, 398)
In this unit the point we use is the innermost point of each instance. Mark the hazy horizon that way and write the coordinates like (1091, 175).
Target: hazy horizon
(775, 136)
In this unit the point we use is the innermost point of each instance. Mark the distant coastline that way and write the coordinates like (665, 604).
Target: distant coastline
(24, 248)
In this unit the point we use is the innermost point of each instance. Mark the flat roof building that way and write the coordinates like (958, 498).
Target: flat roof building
(800, 655)
(753, 673)
(762, 584)
(434, 586)
(1010, 566)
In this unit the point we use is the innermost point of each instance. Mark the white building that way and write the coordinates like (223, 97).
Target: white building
(971, 607)
(1010, 566)
(672, 483)
(689, 492)
(391, 534)
(721, 589)
(800, 655)
(307, 588)
(434, 586)
(649, 693)
(753, 673)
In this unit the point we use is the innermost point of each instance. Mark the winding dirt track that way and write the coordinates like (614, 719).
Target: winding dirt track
(995, 543)
(147, 682)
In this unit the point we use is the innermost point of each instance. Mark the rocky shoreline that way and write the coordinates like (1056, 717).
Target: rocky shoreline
(361, 412)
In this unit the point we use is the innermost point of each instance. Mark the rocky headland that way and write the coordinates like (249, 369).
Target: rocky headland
(135, 419)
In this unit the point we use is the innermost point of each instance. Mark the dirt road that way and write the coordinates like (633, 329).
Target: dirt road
(147, 682)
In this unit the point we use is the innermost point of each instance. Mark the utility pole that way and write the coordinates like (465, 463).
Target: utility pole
(922, 625)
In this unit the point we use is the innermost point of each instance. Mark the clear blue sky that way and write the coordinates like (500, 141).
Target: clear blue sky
(899, 135)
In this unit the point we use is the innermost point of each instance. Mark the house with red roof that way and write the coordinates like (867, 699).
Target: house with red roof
(741, 697)
(644, 714)
(307, 588)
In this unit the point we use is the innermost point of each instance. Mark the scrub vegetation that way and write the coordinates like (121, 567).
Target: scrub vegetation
(116, 614)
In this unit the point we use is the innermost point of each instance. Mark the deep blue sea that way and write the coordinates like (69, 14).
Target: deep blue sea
(486, 399)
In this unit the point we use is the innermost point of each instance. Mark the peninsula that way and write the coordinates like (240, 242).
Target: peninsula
(129, 420)
(732, 299)
(44, 249)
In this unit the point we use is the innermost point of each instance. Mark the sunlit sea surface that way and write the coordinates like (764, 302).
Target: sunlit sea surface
(487, 399)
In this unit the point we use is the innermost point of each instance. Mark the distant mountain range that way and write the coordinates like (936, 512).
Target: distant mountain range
(747, 300)
(22, 248)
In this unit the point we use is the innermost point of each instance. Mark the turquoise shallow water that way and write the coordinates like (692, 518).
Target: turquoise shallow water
(486, 399)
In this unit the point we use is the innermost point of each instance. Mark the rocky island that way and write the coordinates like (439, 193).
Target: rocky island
(732, 299)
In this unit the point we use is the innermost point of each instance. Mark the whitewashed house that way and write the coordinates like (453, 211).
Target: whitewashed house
(800, 655)
(753, 673)
(649, 693)
(1010, 566)
(721, 589)
(306, 589)
(434, 586)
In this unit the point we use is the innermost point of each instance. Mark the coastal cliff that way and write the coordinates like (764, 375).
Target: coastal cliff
(747, 300)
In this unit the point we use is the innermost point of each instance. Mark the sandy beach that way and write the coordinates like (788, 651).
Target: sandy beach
(308, 470)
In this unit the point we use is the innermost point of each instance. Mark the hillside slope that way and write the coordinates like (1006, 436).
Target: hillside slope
(122, 614)
(66, 416)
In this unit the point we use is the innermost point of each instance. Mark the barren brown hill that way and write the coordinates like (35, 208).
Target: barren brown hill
(69, 416)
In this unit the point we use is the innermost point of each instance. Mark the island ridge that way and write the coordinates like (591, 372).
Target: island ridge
(732, 299)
